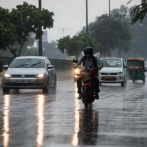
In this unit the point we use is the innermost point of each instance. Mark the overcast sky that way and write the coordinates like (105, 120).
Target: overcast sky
(71, 14)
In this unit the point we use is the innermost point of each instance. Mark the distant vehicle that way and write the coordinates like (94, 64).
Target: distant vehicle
(113, 71)
(136, 69)
(29, 72)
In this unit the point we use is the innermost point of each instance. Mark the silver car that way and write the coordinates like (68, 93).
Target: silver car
(29, 72)
(113, 71)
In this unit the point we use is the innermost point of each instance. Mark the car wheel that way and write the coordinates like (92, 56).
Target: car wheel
(45, 90)
(55, 82)
(143, 80)
(6, 90)
(123, 84)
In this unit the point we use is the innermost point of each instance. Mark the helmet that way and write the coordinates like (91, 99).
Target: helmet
(88, 50)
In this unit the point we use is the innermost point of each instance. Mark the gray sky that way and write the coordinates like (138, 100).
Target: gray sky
(70, 14)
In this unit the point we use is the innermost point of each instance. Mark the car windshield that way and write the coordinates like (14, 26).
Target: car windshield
(27, 63)
(112, 63)
(134, 63)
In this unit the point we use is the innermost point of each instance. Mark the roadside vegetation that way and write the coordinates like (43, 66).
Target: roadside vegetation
(16, 26)
(123, 33)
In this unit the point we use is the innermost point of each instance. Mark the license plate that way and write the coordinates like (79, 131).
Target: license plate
(109, 77)
(22, 81)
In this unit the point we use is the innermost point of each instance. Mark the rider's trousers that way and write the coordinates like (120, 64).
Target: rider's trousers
(96, 83)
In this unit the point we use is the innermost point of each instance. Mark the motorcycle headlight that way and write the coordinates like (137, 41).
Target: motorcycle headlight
(77, 71)
(120, 73)
(7, 76)
(40, 76)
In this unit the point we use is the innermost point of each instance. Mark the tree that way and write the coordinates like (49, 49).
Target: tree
(75, 45)
(7, 30)
(51, 51)
(121, 13)
(139, 12)
(111, 33)
(26, 19)
(28, 44)
(139, 38)
(123, 16)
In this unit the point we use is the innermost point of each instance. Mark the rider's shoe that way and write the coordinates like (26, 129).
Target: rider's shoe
(79, 96)
(96, 96)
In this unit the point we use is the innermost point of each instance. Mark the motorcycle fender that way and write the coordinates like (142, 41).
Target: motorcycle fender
(86, 84)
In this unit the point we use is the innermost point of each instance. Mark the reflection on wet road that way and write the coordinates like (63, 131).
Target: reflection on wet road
(6, 121)
(40, 119)
(119, 118)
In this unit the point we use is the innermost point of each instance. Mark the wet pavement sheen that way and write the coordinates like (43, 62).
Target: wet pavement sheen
(118, 119)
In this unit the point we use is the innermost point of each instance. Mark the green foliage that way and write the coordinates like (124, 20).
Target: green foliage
(121, 13)
(111, 33)
(7, 31)
(28, 44)
(25, 19)
(139, 32)
(139, 12)
(76, 44)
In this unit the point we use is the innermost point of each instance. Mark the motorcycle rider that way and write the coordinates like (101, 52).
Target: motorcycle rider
(92, 61)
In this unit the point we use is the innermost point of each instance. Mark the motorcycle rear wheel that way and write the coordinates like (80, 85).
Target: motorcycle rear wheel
(85, 96)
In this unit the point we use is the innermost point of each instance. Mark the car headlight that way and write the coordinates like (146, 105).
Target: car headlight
(77, 71)
(7, 76)
(40, 76)
(120, 73)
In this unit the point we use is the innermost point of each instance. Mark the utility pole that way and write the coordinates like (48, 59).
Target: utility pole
(40, 37)
(87, 16)
(63, 30)
(109, 8)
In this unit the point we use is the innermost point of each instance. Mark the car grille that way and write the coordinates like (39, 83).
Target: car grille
(22, 84)
(108, 73)
(25, 76)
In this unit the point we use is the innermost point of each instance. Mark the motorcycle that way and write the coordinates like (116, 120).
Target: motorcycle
(88, 90)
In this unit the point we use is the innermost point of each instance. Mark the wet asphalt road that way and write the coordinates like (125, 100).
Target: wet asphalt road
(31, 119)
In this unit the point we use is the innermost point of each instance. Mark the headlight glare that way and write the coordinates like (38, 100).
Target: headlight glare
(7, 76)
(40, 76)
(77, 71)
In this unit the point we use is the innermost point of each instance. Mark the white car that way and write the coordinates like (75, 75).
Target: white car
(29, 72)
(113, 71)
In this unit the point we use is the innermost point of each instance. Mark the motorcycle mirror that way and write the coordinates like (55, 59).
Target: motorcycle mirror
(75, 61)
